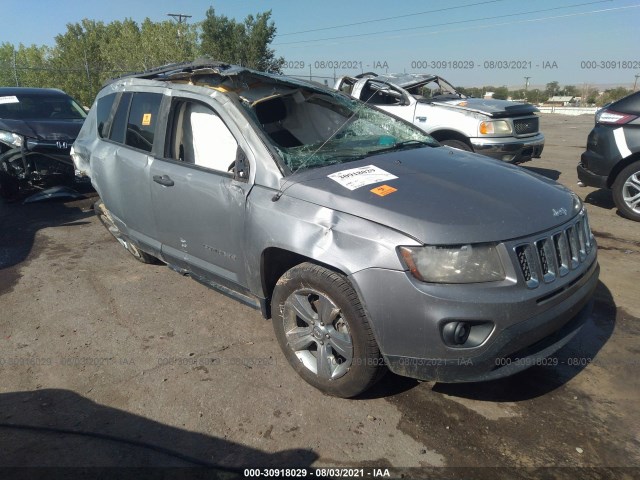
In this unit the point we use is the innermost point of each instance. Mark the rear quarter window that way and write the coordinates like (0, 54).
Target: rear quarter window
(119, 125)
(102, 113)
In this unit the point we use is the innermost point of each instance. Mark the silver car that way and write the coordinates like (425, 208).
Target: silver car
(370, 246)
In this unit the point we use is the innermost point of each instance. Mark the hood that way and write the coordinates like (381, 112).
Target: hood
(443, 196)
(490, 107)
(43, 129)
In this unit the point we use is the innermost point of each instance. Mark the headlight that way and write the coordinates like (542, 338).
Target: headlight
(499, 127)
(456, 264)
(577, 203)
(11, 138)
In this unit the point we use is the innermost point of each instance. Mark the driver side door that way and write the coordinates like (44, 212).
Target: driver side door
(198, 202)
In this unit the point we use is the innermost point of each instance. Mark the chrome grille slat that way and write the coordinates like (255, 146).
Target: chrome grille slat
(555, 255)
(562, 255)
(523, 126)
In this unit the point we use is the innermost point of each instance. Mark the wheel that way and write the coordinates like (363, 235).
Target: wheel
(626, 192)
(105, 217)
(324, 332)
(459, 144)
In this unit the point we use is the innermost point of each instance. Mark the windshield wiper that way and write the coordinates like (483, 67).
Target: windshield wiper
(401, 145)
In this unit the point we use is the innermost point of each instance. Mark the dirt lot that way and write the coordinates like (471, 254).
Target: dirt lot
(108, 362)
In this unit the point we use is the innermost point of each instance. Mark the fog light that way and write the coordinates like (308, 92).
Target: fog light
(456, 333)
(466, 334)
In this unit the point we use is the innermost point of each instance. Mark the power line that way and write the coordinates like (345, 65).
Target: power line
(530, 20)
(389, 18)
(441, 24)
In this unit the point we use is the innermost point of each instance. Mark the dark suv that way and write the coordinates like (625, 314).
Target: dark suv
(37, 128)
(368, 243)
(612, 158)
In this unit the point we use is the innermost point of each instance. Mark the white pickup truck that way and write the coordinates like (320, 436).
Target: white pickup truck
(501, 129)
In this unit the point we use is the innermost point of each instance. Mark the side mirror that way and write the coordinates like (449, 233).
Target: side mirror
(241, 166)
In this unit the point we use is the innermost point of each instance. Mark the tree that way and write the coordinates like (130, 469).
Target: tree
(570, 91)
(471, 91)
(535, 96)
(591, 95)
(77, 59)
(245, 44)
(612, 95)
(7, 72)
(501, 93)
(552, 88)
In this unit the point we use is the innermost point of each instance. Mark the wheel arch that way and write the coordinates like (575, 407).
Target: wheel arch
(621, 165)
(275, 261)
(447, 134)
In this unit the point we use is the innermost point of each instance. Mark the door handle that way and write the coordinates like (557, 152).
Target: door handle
(164, 180)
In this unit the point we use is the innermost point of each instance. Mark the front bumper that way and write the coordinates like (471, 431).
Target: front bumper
(529, 325)
(514, 150)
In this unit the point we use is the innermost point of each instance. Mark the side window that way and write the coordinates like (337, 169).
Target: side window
(199, 136)
(119, 125)
(143, 117)
(103, 110)
(376, 93)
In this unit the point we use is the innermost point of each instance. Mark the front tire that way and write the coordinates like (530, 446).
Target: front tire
(324, 332)
(459, 144)
(626, 192)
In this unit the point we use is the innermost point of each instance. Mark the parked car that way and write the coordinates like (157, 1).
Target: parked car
(612, 158)
(37, 128)
(368, 243)
(501, 129)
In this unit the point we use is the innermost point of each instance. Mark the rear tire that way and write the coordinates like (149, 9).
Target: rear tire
(459, 144)
(626, 192)
(105, 217)
(324, 332)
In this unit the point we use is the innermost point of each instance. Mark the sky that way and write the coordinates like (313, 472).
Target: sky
(468, 42)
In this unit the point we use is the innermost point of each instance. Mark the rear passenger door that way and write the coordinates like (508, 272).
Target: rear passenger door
(124, 159)
(198, 205)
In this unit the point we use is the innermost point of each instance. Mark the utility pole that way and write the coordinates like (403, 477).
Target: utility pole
(636, 82)
(180, 18)
(526, 87)
(15, 67)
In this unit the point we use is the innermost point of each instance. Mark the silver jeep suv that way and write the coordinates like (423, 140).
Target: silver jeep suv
(370, 246)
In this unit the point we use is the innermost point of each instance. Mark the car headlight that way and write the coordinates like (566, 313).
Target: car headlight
(577, 203)
(454, 264)
(498, 127)
(11, 138)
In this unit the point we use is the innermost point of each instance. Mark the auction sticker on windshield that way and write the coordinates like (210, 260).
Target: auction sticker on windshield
(361, 176)
(9, 99)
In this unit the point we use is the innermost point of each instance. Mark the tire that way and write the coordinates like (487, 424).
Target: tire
(332, 331)
(459, 144)
(105, 217)
(626, 192)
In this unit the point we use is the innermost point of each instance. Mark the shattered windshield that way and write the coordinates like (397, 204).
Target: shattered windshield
(314, 129)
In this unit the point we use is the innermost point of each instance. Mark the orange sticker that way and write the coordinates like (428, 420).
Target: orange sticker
(146, 119)
(383, 190)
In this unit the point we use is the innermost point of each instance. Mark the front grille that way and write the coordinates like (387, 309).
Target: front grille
(522, 126)
(555, 255)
